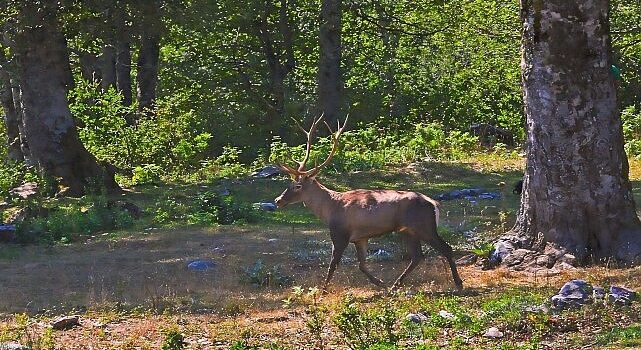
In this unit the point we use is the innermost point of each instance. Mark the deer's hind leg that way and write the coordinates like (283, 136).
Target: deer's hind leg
(446, 251)
(361, 254)
(415, 251)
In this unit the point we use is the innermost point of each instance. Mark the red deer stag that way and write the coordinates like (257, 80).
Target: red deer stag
(358, 215)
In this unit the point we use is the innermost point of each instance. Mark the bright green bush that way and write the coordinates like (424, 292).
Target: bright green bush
(92, 214)
(631, 119)
(372, 147)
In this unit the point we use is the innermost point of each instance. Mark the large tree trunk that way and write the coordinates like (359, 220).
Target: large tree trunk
(577, 198)
(330, 84)
(45, 77)
(11, 117)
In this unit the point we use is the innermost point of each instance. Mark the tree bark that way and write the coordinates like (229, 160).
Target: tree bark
(149, 56)
(577, 197)
(330, 84)
(123, 71)
(107, 64)
(11, 117)
(280, 65)
(123, 55)
(45, 78)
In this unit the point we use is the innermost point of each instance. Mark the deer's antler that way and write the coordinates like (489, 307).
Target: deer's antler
(335, 135)
(335, 138)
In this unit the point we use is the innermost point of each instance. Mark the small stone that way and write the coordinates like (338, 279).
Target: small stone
(267, 206)
(446, 315)
(380, 255)
(516, 257)
(65, 322)
(201, 265)
(467, 260)
(416, 318)
(573, 294)
(543, 260)
(563, 266)
(493, 332)
(621, 295)
(12, 346)
(598, 293)
(568, 259)
(25, 190)
(266, 172)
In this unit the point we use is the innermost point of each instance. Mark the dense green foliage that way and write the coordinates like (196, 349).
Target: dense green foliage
(416, 74)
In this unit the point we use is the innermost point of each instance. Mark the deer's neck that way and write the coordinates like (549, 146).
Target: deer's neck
(321, 201)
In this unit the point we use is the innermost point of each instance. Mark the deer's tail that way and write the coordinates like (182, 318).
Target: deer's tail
(437, 212)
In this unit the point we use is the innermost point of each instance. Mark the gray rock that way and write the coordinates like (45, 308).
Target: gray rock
(568, 259)
(267, 206)
(25, 190)
(621, 295)
(493, 332)
(380, 255)
(573, 294)
(267, 171)
(538, 309)
(65, 322)
(201, 265)
(501, 250)
(544, 260)
(516, 257)
(446, 315)
(12, 346)
(416, 318)
(598, 293)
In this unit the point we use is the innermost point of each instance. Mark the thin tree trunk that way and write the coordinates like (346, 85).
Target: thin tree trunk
(577, 198)
(11, 117)
(147, 76)
(123, 55)
(107, 64)
(89, 67)
(280, 65)
(44, 71)
(123, 72)
(330, 84)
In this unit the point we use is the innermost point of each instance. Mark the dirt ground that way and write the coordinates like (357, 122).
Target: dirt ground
(102, 277)
(152, 269)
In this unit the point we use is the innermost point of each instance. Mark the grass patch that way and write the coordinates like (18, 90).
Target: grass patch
(626, 336)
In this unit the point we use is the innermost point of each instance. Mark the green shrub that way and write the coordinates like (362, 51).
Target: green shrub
(364, 328)
(372, 147)
(173, 340)
(631, 119)
(261, 275)
(146, 174)
(90, 215)
(627, 336)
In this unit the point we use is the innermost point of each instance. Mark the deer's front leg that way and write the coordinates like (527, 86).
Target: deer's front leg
(361, 254)
(339, 243)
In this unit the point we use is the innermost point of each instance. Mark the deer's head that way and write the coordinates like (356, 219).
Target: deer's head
(303, 180)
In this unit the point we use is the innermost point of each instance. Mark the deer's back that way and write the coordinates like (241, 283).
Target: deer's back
(374, 212)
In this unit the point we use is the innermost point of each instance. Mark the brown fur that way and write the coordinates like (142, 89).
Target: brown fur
(357, 215)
